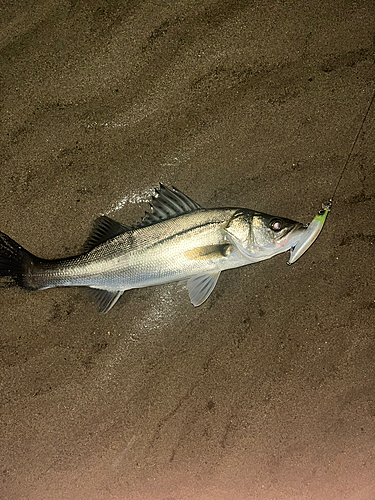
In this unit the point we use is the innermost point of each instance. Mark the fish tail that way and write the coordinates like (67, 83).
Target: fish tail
(16, 264)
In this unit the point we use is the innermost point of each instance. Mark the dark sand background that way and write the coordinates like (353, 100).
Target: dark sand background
(265, 392)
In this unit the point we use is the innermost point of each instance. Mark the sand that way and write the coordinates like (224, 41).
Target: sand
(267, 391)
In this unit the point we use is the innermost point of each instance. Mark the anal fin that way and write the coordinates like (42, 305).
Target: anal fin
(104, 299)
(201, 287)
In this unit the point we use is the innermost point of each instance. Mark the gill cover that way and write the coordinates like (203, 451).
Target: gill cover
(238, 228)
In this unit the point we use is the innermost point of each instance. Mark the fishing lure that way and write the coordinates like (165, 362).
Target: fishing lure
(310, 234)
(312, 230)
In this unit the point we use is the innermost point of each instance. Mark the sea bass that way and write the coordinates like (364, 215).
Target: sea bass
(177, 240)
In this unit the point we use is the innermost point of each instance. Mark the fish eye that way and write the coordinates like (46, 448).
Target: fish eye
(276, 225)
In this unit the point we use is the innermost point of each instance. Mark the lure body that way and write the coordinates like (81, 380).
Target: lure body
(310, 234)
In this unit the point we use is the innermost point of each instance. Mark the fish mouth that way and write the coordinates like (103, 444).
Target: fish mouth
(291, 238)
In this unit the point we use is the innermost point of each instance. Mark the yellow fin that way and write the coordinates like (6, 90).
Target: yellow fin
(208, 252)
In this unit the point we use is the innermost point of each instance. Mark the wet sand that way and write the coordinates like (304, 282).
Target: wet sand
(267, 391)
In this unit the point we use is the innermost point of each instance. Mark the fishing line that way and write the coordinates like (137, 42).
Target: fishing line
(352, 148)
(313, 230)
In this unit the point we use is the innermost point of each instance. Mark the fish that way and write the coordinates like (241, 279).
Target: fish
(176, 241)
(310, 233)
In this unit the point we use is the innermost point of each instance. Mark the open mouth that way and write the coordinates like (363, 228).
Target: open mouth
(290, 239)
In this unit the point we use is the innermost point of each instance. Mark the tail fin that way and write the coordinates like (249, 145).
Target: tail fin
(16, 263)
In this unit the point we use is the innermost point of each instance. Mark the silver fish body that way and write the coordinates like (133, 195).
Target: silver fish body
(177, 241)
(145, 256)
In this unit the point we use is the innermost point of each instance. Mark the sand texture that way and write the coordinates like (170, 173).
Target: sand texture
(265, 392)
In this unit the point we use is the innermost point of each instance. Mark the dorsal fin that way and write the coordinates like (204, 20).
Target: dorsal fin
(168, 203)
(103, 229)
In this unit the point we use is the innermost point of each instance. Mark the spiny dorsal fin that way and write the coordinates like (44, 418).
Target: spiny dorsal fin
(104, 229)
(167, 204)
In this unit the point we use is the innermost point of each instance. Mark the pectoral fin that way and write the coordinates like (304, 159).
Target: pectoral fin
(208, 252)
(200, 287)
(104, 299)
